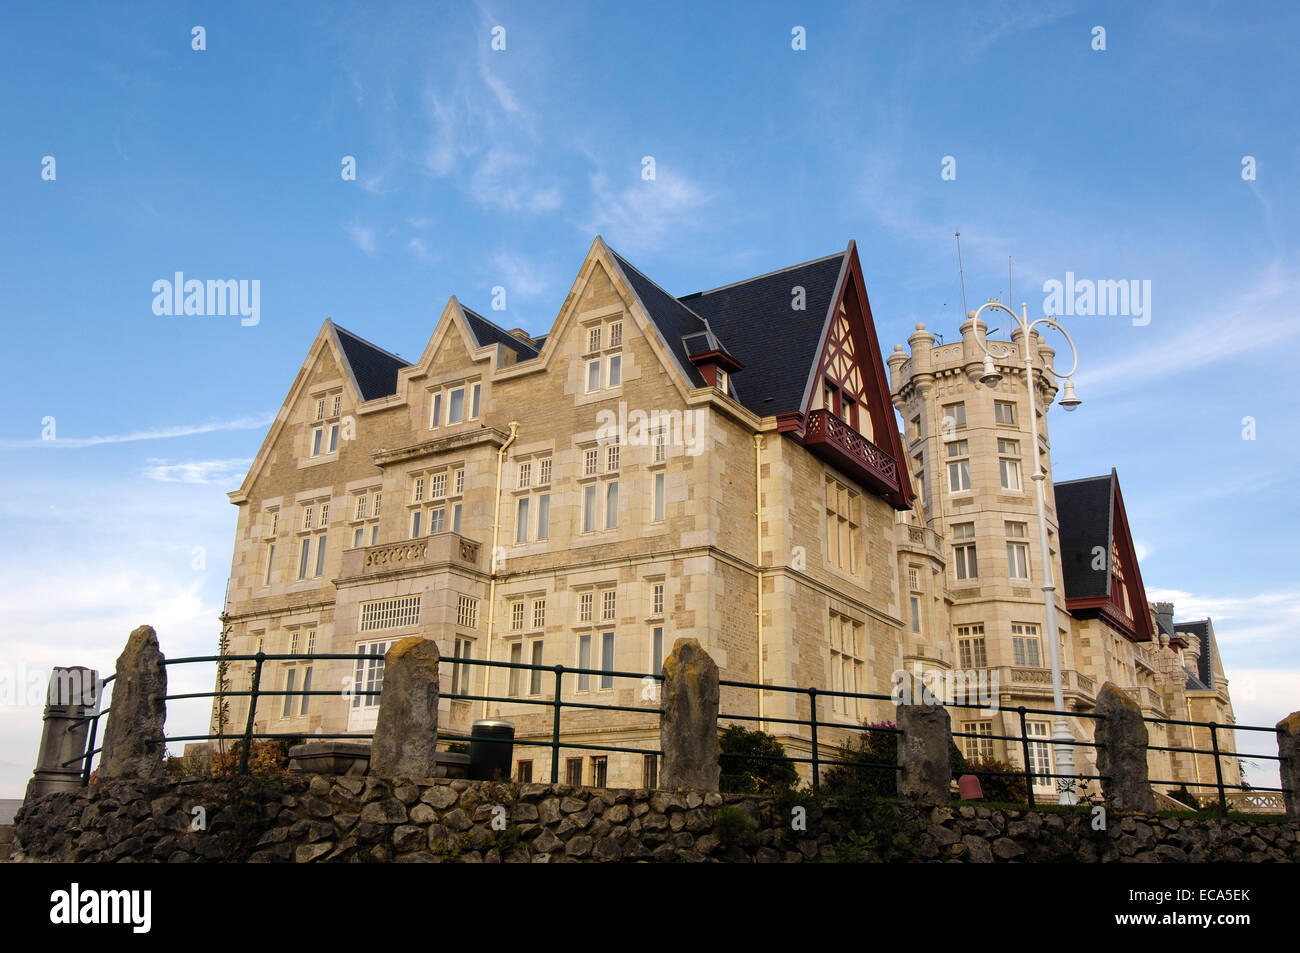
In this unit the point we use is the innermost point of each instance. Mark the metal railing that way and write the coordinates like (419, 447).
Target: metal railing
(557, 703)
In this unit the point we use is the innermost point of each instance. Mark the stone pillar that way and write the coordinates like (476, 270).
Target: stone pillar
(1288, 750)
(406, 733)
(136, 712)
(688, 728)
(924, 754)
(1122, 755)
(72, 696)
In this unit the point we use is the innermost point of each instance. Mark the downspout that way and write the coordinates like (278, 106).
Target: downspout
(758, 563)
(492, 564)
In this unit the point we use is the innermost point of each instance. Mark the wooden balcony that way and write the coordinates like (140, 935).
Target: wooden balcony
(840, 445)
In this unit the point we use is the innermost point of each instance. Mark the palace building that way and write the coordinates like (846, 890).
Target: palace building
(725, 466)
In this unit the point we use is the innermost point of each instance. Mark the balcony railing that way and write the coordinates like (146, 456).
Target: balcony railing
(836, 442)
(421, 552)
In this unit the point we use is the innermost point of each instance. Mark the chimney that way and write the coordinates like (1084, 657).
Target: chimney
(1164, 612)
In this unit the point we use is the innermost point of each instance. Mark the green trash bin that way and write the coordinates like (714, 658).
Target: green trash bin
(491, 750)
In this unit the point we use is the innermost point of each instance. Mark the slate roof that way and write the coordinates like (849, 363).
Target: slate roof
(374, 368)
(756, 323)
(485, 332)
(673, 318)
(1084, 510)
(1205, 664)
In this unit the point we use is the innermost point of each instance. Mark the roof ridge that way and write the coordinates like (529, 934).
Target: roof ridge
(1060, 483)
(768, 274)
(369, 344)
(623, 261)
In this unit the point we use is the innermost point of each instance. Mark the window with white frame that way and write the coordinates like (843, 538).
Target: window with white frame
(914, 578)
(604, 359)
(517, 615)
(658, 501)
(365, 517)
(844, 638)
(842, 526)
(454, 404)
(600, 496)
(971, 650)
(324, 435)
(1009, 463)
(659, 441)
(368, 674)
(390, 613)
(590, 459)
(954, 417)
(460, 673)
(1040, 754)
(965, 563)
(544, 471)
(608, 604)
(533, 503)
(958, 466)
(467, 612)
(657, 599)
(1004, 412)
(1025, 646)
(1017, 550)
(916, 613)
(585, 603)
(979, 748)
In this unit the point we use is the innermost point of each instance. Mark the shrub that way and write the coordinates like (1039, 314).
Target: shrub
(754, 762)
(1004, 789)
(850, 781)
(270, 756)
(731, 825)
(1186, 797)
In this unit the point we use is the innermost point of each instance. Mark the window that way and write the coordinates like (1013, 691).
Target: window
(516, 657)
(302, 561)
(521, 520)
(584, 662)
(539, 613)
(914, 427)
(913, 579)
(311, 641)
(660, 445)
(1017, 552)
(585, 601)
(359, 513)
(593, 339)
(415, 524)
(334, 437)
(615, 370)
(965, 564)
(658, 499)
(978, 749)
(378, 499)
(650, 771)
(438, 486)
(611, 504)
(1040, 754)
(544, 471)
(474, 401)
(306, 687)
(338, 404)
(456, 406)
(721, 379)
(320, 409)
(544, 516)
(308, 514)
(844, 638)
(270, 561)
(1009, 463)
(320, 555)
(916, 614)
(437, 520)
(608, 604)
(524, 772)
(1004, 412)
(324, 514)
(589, 461)
(589, 509)
(599, 770)
(842, 526)
(657, 599)
(525, 475)
(607, 659)
(460, 680)
(458, 482)
(390, 613)
(954, 416)
(290, 677)
(593, 376)
(611, 459)
(1024, 645)
(368, 678)
(417, 490)
(455, 518)
(958, 469)
(517, 615)
(657, 650)
(971, 651)
(467, 612)
(573, 771)
(435, 410)
(535, 676)
(316, 437)
(616, 334)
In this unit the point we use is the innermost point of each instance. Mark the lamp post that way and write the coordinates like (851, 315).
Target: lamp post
(1062, 739)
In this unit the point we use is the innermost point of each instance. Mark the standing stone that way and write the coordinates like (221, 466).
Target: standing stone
(1288, 750)
(688, 728)
(406, 732)
(1122, 753)
(73, 695)
(923, 754)
(132, 740)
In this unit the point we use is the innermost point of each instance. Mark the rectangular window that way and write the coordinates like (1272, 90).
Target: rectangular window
(611, 504)
(608, 604)
(455, 518)
(954, 415)
(316, 436)
(308, 515)
(1040, 754)
(657, 599)
(334, 437)
(516, 657)
(842, 526)
(599, 771)
(379, 497)
(659, 498)
(320, 409)
(417, 491)
(474, 401)
(374, 534)
(539, 613)
(525, 475)
(458, 484)
(320, 555)
(544, 472)
(521, 521)
(958, 470)
(306, 687)
(1009, 464)
(437, 520)
(593, 339)
(358, 537)
(302, 561)
(524, 772)
(573, 771)
(585, 601)
(390, 613)
(324, 515)
(456, 406)
(415, 525)
(657, 650)
(438, 486)
(589, 461)
(360, 512)
(368, 678)
(544, 516)
(1018, 560)
(1025, 646)
(965, 562)
(978, 749)
(338, 405)
(535, 676)
(611, 459)
(615, 370)
(290, 678)
(467, 612)
(589, 508)
(593, 376)
(1004, 412)
(916, 614)
(435, 411)
(970, 646)
(584, 661)
(270, 561)
(517, 616)
(460, 677)
(660, 445)
(607, 659)
(650, 771)
(616, 334)
(311, 642)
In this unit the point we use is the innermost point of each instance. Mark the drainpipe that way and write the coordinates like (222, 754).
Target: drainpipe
(492, 563)
(758, 563)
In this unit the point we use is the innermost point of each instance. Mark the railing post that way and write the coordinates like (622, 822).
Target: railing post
(252, 710)
(90, 747)
(555, 729)
(816, 766)
(1218, 769)
(73, 695)
(1024, 753)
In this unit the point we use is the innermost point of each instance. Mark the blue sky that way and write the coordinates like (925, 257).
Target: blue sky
(478, 168)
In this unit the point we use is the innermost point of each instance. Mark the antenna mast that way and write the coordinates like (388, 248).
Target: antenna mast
(962, 273)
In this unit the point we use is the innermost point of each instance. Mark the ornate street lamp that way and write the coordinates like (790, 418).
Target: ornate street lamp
(1062, 739)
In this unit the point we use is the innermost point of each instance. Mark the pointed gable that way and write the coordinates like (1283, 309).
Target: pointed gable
(373, 370)
(1099, 566)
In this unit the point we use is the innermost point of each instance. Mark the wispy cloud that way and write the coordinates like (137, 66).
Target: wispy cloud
(520, 277)
(196, 471)
(160, 433)
(363, 237)
(645, 215)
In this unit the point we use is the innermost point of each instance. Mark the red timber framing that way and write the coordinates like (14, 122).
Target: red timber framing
(1125, 578)
(847, 396)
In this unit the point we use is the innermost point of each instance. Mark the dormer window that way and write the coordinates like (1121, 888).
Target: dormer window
(712, 360)
(722, 381)
(454, 405)
(324, 436)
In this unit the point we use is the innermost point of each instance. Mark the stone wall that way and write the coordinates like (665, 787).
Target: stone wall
(300, 818)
